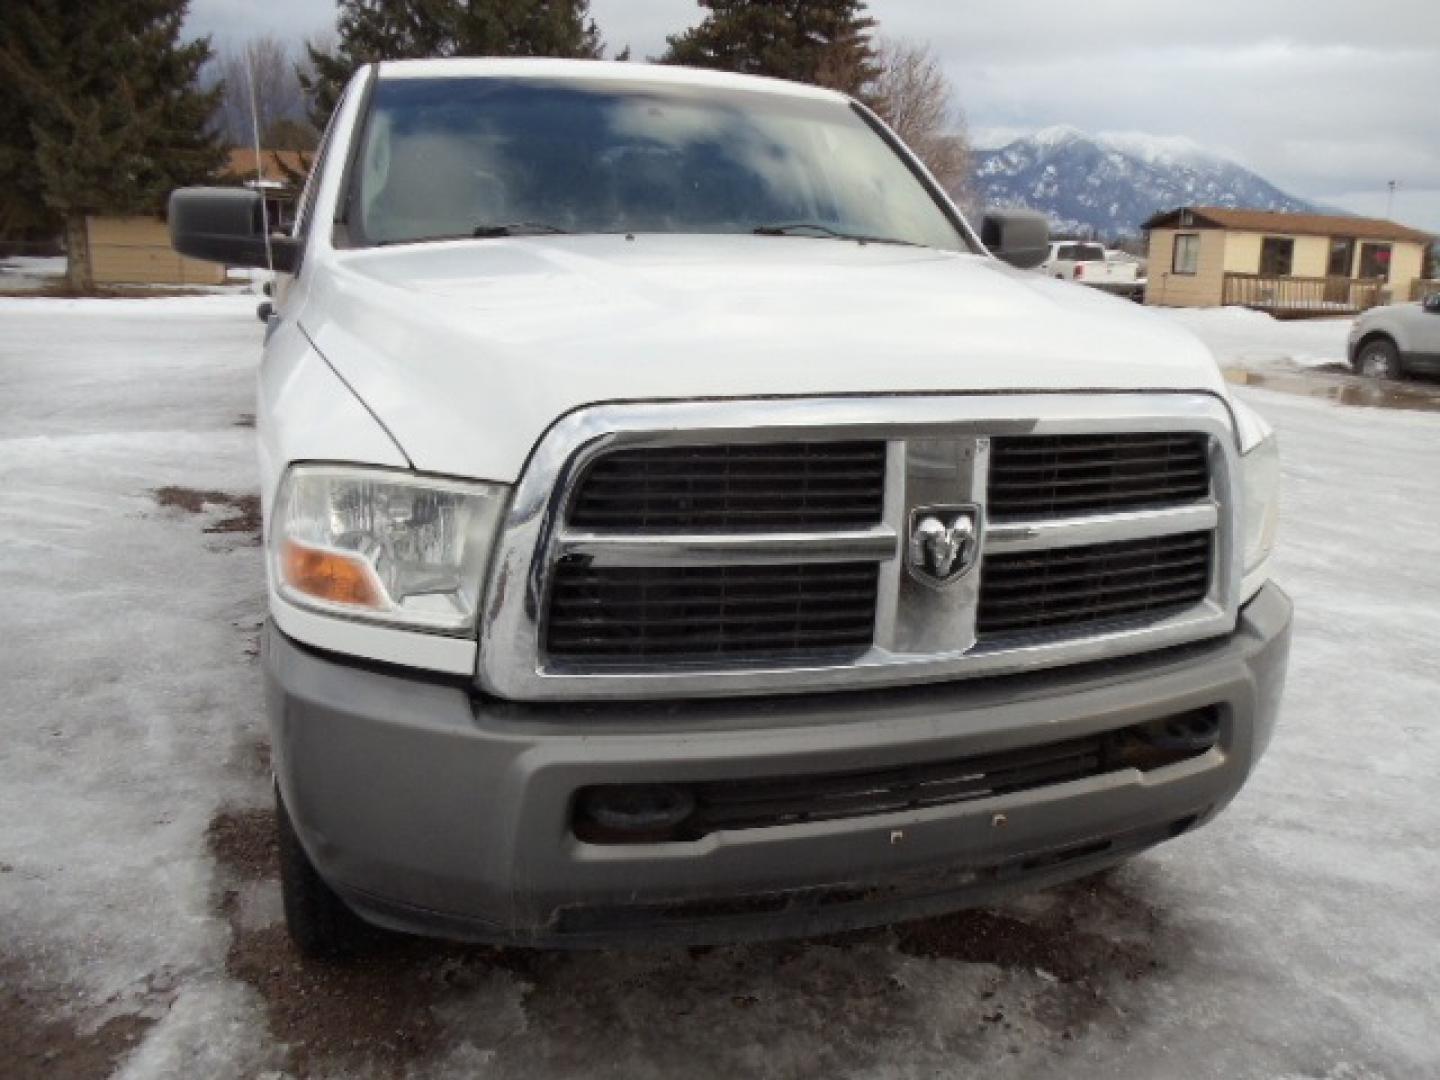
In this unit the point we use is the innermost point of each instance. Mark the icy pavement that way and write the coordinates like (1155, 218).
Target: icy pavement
(1297, 936)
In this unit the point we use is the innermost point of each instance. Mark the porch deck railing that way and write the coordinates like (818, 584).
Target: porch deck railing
(1298, 296)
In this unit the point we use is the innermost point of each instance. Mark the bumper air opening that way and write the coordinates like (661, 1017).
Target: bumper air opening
(652, 813)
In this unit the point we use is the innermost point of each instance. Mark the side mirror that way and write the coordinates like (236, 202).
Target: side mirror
(226, 225)
(1432, 303)
(1020, 237)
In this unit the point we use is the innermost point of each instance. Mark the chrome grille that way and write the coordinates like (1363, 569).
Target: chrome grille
(693, 613)
(1054, 475)
(1072, 587)
(739, 487)
(731, 547)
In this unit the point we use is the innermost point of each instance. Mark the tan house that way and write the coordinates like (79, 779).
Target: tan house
(135, 249)
(1288, 264)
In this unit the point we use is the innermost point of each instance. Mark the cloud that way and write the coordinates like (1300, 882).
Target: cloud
(232, 22)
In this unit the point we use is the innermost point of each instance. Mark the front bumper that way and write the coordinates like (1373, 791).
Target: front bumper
(434, 811)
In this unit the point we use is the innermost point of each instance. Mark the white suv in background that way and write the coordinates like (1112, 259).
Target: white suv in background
(1399, 339)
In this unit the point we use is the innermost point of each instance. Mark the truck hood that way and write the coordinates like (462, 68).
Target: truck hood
(467, 351)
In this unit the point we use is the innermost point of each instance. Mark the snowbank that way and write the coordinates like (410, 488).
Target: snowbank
(1255, 341)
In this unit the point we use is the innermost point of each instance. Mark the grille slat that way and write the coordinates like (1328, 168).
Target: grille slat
(637, 614)
(580, 607)
(1124, 485)
(1180, 581)
(721, 499)
(737, 487)
(1051, 475)
(1071, 587)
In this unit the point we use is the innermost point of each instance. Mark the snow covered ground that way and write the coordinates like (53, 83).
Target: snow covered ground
(33, 273)
(1296, 937)
(1253, 341)
(27, 273)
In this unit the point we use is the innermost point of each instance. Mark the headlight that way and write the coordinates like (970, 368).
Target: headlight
(1260, 481)
(384, 546)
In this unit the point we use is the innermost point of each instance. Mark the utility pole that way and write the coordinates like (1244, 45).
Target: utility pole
(1390, 201)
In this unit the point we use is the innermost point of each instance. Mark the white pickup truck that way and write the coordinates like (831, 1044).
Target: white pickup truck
(681, 525)
(1090, 264)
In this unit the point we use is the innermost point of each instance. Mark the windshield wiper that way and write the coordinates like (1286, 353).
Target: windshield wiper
(800, 228)
(516, 228)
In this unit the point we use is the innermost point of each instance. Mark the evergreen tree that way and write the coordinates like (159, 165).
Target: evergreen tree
(112, 101)
(825, 42)
(371, 30)
(23, 213)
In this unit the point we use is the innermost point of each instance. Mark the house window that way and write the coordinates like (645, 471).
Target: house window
(1277, 256)
(1187, 254)
(1342, 257)
(1374, 260)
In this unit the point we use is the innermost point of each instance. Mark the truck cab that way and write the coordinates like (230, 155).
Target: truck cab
(1091, 264)
(682, 525)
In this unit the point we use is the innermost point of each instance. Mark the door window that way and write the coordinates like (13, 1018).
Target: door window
(1342, 257)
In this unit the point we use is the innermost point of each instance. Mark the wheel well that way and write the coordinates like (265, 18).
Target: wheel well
(1371, 338)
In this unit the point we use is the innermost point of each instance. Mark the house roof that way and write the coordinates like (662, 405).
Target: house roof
(1270, 221)
(241, 165)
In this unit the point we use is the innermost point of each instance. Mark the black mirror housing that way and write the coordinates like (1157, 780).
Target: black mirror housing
(1019, 237)
(226, 225)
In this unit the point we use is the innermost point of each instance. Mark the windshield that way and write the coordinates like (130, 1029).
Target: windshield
(452, 157)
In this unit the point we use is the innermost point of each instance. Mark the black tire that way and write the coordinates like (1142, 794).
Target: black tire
(320, 924)
(1378, 359)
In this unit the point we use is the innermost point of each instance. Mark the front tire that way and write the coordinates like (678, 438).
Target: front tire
(1378, 359)
(320, 924)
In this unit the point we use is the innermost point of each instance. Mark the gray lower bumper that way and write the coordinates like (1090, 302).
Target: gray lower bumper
(433, 811)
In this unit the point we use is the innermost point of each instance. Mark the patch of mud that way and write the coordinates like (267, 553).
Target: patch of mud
(1039, 973)
(246, 420)
(1060, 945)
(43, 1036)
(373, 1013)
(243, 510)
(1057, 946)
(243, 843)
(1343, 389)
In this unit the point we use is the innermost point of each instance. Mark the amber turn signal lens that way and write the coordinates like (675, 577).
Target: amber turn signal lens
(326, 575)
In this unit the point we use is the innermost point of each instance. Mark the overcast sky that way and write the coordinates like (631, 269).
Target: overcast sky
(1328, 99)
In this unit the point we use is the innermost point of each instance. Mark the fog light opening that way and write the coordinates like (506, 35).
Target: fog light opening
(1194, 732)
(633, 813)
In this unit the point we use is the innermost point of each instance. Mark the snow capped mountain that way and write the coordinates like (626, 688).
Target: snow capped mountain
(1109, 184)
